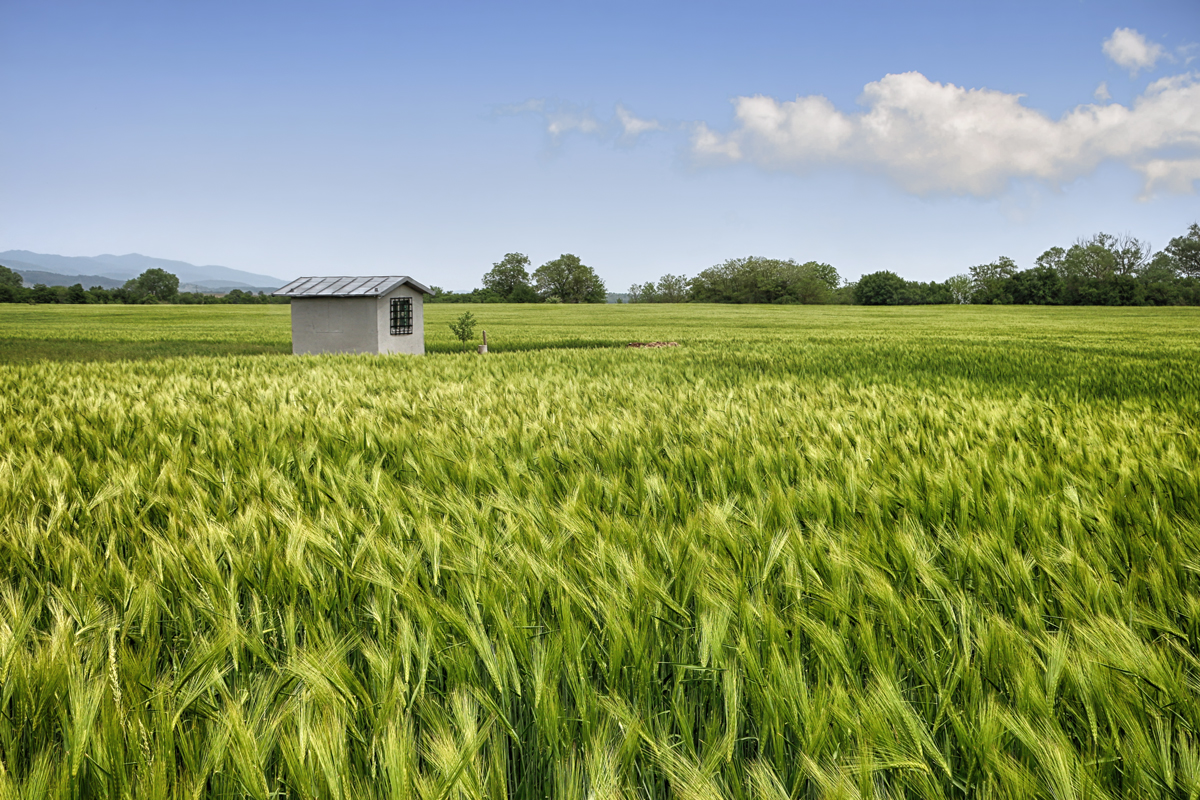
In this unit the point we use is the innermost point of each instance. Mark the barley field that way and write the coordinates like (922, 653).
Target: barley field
(812, 552)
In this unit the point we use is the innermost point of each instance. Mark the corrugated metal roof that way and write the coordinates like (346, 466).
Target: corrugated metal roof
(348, 286)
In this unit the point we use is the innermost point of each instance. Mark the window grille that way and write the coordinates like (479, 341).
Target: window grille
(401, 315)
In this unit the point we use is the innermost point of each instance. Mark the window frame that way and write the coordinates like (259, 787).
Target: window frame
(400, 315)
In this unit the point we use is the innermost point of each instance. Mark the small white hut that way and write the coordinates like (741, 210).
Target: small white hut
(357, 315)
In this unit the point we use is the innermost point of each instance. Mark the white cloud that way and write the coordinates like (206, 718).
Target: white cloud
(1178, 175)
(563, 119)
(940, 138)
(1101, 92)
(710, 145)
(633, 126)
(1129, 49)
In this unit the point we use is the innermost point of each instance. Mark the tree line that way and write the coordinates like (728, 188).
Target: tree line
(1102, 270)
(566, 279)
(748, 280)
(152, 286)
(1099, 270)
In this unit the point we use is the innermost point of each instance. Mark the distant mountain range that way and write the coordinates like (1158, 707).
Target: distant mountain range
(111, 271)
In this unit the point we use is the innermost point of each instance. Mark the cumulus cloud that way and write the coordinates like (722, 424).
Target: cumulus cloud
(1129, 49)
(1101, 92)
(940, 138)
(564, 118)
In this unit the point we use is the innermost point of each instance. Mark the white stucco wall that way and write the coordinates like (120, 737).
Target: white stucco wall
(411, 343)
(334, 325)
(355, 324)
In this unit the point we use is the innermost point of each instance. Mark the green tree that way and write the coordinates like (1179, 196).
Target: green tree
(76, 294)
(45, 294)
(960, 288)
(806, 286)
(1052, 258)
(988, 281)
(507, 275)
(13, 294)
(570, 280)
(1130, 255)
(765, 280)
(156, 283)
(1161, 269)
(1038, 286)
(523, 294)
(825, 272)
(879, 289)
(463, 328)
(672, 289)
(643, 293)
(1185, 251)
(10, 278)
(98, 294)
(1089, 260)
(916, 293)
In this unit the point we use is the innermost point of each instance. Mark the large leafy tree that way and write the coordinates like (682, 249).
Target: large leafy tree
(508, 275)
(989, 280)
(1089, 260)
(1052, 258)
(959, 287)
(672, 289)
(879, 289)
(156, 283)
(1185, 251)
(1101, 257)
(824, 272)
(570, 280)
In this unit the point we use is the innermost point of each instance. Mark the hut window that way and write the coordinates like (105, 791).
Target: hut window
(401, 315)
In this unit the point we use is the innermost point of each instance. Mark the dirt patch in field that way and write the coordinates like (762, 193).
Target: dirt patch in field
(653, 344)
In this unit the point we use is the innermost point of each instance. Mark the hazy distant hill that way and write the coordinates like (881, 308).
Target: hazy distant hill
(35, 276)
(80, 269)
(32, 275)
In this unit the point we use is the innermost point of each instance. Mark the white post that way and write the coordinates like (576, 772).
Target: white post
(483, 347)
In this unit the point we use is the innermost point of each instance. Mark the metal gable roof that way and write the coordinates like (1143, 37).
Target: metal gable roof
(348, 286)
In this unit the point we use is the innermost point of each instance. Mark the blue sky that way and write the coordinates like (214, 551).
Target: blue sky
(430, 139)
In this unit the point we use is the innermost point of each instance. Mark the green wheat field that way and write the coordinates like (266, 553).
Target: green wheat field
(812, 552)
